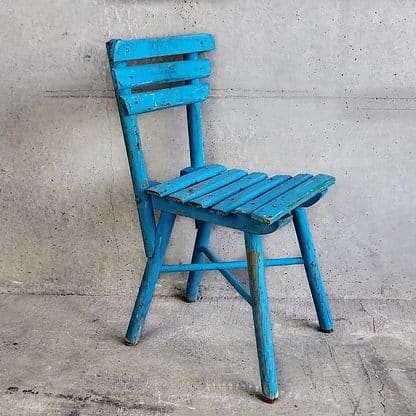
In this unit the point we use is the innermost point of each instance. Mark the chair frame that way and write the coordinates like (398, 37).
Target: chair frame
(156, 237)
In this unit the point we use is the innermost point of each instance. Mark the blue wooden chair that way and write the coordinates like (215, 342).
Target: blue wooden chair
(211, 194)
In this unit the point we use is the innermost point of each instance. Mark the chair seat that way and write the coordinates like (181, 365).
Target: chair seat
(239, 199)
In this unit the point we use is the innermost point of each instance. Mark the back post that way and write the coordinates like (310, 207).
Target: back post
(137, 163)
(194, 120)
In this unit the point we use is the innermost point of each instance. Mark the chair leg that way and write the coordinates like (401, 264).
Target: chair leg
(313, 274)
(150, 277)
(260, 307)
(194, 277)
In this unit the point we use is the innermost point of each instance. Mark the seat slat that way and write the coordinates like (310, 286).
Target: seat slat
(256, 203)
(143, 75)
(214, 197)
(169, 187)
(125, 50)
(283, 205)
(145, 102)
(209, 185)
(240, 198)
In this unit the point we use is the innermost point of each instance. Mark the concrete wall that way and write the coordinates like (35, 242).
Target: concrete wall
(323, 86)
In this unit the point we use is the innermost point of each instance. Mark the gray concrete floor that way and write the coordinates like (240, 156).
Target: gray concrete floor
(64, 355)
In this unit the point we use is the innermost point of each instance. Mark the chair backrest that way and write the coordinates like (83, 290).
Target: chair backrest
(139, 79)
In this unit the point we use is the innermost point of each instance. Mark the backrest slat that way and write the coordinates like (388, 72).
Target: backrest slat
(145, 102)
(126, 50)
(160, 73)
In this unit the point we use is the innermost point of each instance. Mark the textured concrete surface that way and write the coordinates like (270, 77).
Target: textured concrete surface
(323, 86)
(64, 355)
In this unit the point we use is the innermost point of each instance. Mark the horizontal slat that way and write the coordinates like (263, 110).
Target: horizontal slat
(143, 75)
(125, 50)
(252, 205)
(240, 198)
(169, 187)
(202, 188)
(271, 212)
(214, 197)
(145, 102)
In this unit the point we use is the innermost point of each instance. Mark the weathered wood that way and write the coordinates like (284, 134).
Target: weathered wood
(240, 198)
(137, 164)
(232, 280)
(288, 201)
(173, 185)
(125, 50)
(194, 122)
(209, 185)
(160, 73)
(145, 102)
(251, 203)
(214, 197)
(313, 273)
(261, 316)
(237, 222)
(150, 277)
(256, 203)
(195, 276)
(221, 265)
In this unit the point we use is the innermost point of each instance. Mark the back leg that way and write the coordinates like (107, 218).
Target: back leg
(260, 307)
(300, 221)
(194, 277)
(150, 277)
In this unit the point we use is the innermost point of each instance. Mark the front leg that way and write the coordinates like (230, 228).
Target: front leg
(260, 307)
